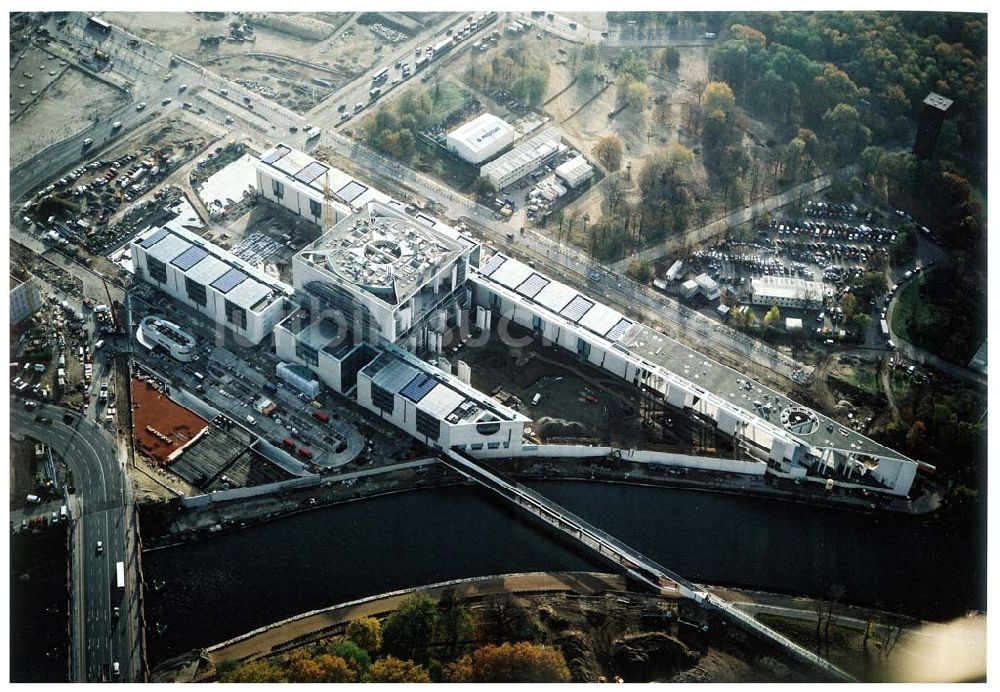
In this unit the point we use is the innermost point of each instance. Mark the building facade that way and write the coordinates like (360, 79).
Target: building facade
(787, 292)
(25, 299)
(216, 283)
(523, 159)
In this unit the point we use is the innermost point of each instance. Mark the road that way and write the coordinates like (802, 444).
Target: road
(98, 511)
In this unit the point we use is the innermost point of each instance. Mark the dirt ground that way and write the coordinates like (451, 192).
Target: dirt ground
(152, 409)
(22, 471)
(345, 51)
(563, 412)
(60, 110)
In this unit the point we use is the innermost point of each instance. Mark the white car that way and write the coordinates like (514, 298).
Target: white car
(87, 142)
(141, 106)
(167, 101)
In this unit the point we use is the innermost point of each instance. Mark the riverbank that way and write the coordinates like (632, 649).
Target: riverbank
(605, 598)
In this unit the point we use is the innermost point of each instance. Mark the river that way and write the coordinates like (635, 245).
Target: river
(232, 583)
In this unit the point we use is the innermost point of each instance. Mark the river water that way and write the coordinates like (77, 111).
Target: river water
(230, 584)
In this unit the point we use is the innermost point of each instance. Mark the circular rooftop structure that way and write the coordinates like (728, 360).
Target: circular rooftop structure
(799, 420)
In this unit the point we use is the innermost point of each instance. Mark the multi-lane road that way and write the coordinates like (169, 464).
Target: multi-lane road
(101, 510)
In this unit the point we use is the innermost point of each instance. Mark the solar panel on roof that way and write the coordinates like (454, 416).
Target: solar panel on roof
(280, 152)
(190, 257)
(419, 387)
(228, 281)
(352, 190)
(492, 264)
(577, 308)
(155, 238)
(311, 172)
(618, 331)
(532, 285)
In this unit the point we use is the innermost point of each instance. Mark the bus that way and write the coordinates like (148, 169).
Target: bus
(99, 25)
(120, 569)
(885, 328)
(381, 76)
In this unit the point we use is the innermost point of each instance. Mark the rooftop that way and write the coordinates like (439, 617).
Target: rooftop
(482, 132)
(787, 287)
(537, 147)
(433, 391)
(383, 251)
(209, 265)
(574, 168)
(300, 169)
(938, 101)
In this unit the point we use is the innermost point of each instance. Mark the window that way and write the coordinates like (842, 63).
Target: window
(428, 425)
(487, 429)
(506, 445)
(196, 292)
(477, 446)
(536, 323)
(493, 445)
(236, 315)
(315, 208)
(307, 353)
(278, 188)
(582, 347)
(382, 399)
(157, 270)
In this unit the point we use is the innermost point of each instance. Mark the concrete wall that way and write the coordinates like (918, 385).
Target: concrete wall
(254, 491)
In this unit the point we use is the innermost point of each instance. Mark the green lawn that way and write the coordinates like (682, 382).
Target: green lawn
(908, 307)
(447, 98)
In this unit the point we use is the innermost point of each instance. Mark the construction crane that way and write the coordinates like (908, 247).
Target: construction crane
(113, 307)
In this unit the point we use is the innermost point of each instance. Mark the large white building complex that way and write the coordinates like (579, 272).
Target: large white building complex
(480, 139)
(211, 280)
(154, 332)
(523, 159)
(25, 299)
(378, 294)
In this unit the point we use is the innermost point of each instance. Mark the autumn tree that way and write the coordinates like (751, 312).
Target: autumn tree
(302, 668)
(392, 669)
(454, 627)
(366, 633)
(608, 152)
(916, 436)
(586, 73)
(254, 671)
(634, 94)
(507, 663)
(408, 631)
(772, 317)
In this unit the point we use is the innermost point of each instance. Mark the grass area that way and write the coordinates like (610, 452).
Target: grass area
(454, 172)
(447, 98)
(908, 308)
(863, 377)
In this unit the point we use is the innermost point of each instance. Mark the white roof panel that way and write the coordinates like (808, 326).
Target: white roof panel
(247, 293)
(512, 273)
(168, 248)
(441, 401)
(555, 296)
(207, 271)
(600, 319)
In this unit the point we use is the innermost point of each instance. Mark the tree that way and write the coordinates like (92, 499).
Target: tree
(718, 96)
(302, 668)
(670, 58)
(586, 73)
(392, 669)
(254, 671)
(518, 662)
(635, 95)
(356, 657)
(504, 619)
(849, 304)
(336, 669)
(641, 271)
(614, 192)
(844, 130)
(366, 633)
(484, 190)
(454, 627)
(408, 631)
(772, 317)
(916, 436)
(608, 152)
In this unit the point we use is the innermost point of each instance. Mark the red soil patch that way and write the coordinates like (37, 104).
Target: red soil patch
(154, 411)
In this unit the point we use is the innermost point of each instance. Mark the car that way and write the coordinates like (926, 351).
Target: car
(24, 524)
(182, 87)
(100, 547)
(167, 101)
(87, 142)
(116, 668)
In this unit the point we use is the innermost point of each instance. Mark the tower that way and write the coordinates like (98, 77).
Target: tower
(935, 110)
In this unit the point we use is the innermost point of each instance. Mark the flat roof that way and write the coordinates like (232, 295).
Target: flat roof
(574, 168)
(534, 149)
(938, 101)
(787, 287)
(383, 251)
(482, 132)
(310, 174)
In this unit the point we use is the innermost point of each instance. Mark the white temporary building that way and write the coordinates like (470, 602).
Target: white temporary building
(481, 139)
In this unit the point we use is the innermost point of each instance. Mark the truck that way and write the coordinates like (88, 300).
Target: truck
(270, 387)
(313, 132)
(374, 94)
(885, 328)
(321, 416)
(120, 574)
(305, 453)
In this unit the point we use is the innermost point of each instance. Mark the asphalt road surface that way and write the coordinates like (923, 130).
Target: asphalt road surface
(98, 509)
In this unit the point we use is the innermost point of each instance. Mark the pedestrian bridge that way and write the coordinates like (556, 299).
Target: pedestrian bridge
(637, 565)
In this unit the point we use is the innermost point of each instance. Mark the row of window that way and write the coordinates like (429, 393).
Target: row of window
(479, 445)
